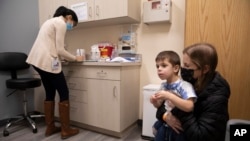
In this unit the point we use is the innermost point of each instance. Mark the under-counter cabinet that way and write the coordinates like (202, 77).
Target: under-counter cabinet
(103, 98)
(113, 96)
(77, 93)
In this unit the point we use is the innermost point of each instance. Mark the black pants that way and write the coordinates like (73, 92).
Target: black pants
(54, 82)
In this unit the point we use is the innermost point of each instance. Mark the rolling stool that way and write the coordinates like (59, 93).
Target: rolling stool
(13, 62)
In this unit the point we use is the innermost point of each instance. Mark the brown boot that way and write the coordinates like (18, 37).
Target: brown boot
(49, 107)
(64, 117)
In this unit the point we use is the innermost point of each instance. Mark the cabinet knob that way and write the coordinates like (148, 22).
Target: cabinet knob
(90, 12)
(114, 91)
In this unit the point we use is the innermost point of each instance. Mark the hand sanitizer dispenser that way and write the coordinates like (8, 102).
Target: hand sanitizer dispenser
(157, 11)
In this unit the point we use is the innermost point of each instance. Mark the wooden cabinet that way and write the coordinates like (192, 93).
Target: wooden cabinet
(113, 97)
(90, 8)
(47, 8)
(104, 103)
(101, 12)
(110, 9)
(102, 98)
(77, 93)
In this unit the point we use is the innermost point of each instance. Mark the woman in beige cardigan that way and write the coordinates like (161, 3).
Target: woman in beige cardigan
(45, 57)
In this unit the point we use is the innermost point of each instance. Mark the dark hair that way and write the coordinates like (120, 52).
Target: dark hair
(203, 54)
(63, 11)
(172, 57)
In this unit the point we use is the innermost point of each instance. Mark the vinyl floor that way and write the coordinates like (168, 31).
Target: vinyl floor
(23, 132)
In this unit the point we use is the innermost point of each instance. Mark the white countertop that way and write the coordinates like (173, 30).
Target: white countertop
(86, 63)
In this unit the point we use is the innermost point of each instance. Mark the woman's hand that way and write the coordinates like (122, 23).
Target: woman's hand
(79, 58)
(173, 122)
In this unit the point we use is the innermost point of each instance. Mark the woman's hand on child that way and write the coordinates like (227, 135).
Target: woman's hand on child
(173, 122)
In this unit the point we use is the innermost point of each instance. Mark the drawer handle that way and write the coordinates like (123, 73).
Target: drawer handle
(72, 97)
(70, 71)
(72, 85)
(73, 109)
(102, 74)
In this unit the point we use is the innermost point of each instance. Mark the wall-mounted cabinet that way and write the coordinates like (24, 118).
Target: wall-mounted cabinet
(95, 12)
(47, 8)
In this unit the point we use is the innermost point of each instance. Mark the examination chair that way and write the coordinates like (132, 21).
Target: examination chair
(13, 62)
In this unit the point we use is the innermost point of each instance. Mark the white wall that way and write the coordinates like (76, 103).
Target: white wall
(151, 40)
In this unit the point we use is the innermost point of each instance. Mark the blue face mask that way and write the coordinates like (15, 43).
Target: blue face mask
(69, 26)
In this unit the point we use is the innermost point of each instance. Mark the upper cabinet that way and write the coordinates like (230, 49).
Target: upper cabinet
(96, 12)
(87, 10)
(47, 8)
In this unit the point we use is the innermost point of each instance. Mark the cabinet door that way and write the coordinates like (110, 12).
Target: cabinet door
(106, 9)
(90, 8)
(104, 104)
(47, 8)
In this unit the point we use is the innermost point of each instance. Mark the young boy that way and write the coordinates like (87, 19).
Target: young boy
(173, 92)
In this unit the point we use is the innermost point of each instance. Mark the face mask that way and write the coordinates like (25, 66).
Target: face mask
(187, 75)
(69, 26)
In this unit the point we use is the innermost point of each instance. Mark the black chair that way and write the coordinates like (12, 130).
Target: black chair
(13, 62)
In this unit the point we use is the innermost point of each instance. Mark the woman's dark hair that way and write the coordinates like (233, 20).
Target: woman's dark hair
(63, 11)
(202, 55)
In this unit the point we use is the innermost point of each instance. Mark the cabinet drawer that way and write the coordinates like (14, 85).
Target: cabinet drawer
(78, 96)
(110, 73)
(73, 71)
(78, 112)
(75, 83)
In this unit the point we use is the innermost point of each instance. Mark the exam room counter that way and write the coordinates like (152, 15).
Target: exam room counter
(104, 96)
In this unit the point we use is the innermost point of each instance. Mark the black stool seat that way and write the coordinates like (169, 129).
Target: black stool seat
(23, 83)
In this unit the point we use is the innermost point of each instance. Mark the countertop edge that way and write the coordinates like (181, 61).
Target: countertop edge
(101, 63)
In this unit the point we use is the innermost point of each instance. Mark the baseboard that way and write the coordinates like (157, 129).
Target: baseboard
(147, 138)
(139, 122)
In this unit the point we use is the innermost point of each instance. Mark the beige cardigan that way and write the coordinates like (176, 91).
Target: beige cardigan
(49, 45)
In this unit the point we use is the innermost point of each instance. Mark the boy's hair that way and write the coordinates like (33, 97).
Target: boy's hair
(172, 57)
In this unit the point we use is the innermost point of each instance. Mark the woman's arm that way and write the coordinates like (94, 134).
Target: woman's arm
(59, 41)
(207, 122)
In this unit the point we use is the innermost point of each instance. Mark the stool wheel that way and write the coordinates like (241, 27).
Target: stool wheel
(35, 130)
(5, 133)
